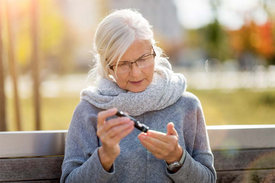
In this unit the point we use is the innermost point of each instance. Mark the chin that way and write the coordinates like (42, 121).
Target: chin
(136, 90)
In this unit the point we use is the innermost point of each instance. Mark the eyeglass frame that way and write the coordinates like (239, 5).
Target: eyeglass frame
(130, 66)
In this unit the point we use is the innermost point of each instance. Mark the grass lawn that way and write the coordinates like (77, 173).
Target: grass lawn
(56, 113)
(221, 107)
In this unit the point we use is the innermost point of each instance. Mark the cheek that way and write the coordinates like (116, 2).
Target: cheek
(150, 73)
(121, 80)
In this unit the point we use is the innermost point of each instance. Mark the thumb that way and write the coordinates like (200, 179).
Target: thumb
(170, 129)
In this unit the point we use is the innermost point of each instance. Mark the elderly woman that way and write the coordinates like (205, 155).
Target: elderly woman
(132, 76)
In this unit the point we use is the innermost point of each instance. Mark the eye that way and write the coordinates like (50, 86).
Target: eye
(145, 57)
(122, 63)
(142, 60)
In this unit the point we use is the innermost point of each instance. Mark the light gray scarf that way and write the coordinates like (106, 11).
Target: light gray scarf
(165, 89)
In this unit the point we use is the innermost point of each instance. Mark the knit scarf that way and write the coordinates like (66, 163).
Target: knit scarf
(164, 90)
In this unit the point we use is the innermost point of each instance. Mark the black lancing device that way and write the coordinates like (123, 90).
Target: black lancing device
(142, 127)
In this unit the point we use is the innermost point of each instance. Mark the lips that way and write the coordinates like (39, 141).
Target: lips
(136, 82)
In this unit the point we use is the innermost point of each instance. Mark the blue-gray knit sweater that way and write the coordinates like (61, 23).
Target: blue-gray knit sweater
(135, 163)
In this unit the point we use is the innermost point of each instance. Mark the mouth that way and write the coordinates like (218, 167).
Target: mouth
(136, 82)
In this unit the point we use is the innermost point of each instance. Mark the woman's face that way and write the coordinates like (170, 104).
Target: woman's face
(140, 74)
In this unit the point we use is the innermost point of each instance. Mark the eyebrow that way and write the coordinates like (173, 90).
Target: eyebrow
(137, 58)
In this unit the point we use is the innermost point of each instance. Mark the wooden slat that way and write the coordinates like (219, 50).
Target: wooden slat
(244, 159)
(38, 181)
(38, 168)
(247, 176)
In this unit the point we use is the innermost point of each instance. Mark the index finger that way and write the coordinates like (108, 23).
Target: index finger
(102, 115)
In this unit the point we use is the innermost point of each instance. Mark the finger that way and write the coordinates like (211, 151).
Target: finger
(171, 129)
(157, 143)
(158, 135)
(116, 134)
(103, 129)
(124, 133)
(155, 151)
(118, 129)
(102, 115)
(108, 135)
(115, 122)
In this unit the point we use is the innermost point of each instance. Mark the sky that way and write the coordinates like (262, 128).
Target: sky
(232, 13)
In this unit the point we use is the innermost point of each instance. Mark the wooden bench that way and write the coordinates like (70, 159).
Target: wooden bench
(242, 154)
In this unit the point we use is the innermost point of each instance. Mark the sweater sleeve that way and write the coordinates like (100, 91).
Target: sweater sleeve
(81, 161)
(198, 166)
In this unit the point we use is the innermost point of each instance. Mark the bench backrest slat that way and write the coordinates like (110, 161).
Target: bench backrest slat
(251, 159)
(30, 169)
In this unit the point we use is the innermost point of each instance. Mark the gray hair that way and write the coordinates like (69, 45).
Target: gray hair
(114, 35)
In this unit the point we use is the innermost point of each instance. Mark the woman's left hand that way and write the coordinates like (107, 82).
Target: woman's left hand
(163, 146)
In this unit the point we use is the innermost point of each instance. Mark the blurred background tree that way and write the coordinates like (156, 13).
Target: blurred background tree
(55, 37)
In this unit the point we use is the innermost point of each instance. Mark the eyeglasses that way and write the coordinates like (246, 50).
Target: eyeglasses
(142, 62)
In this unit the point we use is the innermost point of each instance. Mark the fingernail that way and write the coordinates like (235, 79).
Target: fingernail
(130, 124)
(142, 137)
(125, 119)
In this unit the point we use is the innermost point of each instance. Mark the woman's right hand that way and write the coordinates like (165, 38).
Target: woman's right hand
(110, 133)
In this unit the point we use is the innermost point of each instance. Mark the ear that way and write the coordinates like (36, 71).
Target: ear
(111, 75)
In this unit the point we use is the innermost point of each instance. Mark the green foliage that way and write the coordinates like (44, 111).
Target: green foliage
(51, 26)
(53, 35)
(56, 43)
(214, 40)
(267, 99)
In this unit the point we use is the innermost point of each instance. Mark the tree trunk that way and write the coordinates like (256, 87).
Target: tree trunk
(35, 63)
(12, 65)
(3, 126)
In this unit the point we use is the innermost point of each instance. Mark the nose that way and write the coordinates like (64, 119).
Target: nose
(135, 70)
